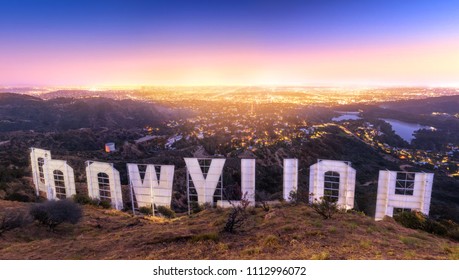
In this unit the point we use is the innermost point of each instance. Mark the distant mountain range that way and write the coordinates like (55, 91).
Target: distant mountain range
(24, 112)
(442, 104)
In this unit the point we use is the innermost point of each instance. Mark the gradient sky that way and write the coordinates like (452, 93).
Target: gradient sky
(170, 42)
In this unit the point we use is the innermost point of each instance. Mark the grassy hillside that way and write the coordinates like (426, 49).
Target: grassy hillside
(284, 232)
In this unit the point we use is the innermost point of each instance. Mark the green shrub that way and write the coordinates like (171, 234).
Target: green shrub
(411, 219)
(325, 207)
(105, 204)
(147, 210)
(53, 213)
(298, 196)
(82, 199)
(417, 220)
(195, 207)
(435, 227)
(166, 212)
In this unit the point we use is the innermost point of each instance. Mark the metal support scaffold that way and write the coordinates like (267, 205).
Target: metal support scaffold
(150, 185)
(204, 181)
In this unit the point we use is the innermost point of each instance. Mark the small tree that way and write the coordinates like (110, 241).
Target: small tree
(325, 207)
(53, 213)
(238, 215)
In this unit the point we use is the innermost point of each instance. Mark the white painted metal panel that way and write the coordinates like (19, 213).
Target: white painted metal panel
(347, 176)
(93, 168)
(152, 190)
(205, 187)
(68, 176)
(387, 199)
(248, 179)
(39, 178)
(290, 180)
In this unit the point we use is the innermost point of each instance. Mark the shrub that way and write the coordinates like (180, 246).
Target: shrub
(195, 207)
(105, 204)
(12, 219)
(53, 213)
(166, 212)
(417, 220)
(325, 207)
(237, 216)
(298, 196)
(82, 199)
(435, 227)
(147, 210)
(411, 219)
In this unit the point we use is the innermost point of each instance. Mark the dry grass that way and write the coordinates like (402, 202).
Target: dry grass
(284, 232)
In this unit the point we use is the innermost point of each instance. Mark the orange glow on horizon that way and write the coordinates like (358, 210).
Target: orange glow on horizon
(418, 63)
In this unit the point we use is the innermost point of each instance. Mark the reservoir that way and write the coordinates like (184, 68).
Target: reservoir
(347, 116)
(404, 129)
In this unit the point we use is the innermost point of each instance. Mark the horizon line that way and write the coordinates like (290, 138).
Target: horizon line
(267, 85)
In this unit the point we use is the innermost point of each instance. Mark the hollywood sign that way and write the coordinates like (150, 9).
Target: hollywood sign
(151, 184)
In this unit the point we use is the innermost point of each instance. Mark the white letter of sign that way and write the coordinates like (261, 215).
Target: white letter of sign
(104, 183)
(205, 187)
(152, 190)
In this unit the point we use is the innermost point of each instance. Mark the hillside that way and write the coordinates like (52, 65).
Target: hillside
(285, 232)
(23, 112)
(443, 104)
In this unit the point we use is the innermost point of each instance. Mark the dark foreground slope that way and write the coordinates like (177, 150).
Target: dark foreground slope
(284, 232)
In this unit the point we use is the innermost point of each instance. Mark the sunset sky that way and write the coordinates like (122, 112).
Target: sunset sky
(169, 42)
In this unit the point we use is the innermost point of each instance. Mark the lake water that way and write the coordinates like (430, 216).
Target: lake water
(404, 129)
(347, 116)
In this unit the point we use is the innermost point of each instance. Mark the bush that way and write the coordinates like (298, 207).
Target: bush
(82, 199)
(417, 220)
(104, 204)
(53, 213)
(435, 227)
(195, 207)
(12, 219)
(325, 207)
(147, 210)
(298, 196)
(237, 216)
(166, 212)
(411, 219)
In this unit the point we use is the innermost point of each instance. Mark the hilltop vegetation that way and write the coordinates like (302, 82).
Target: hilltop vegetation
(283, 232)
(23, 112)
